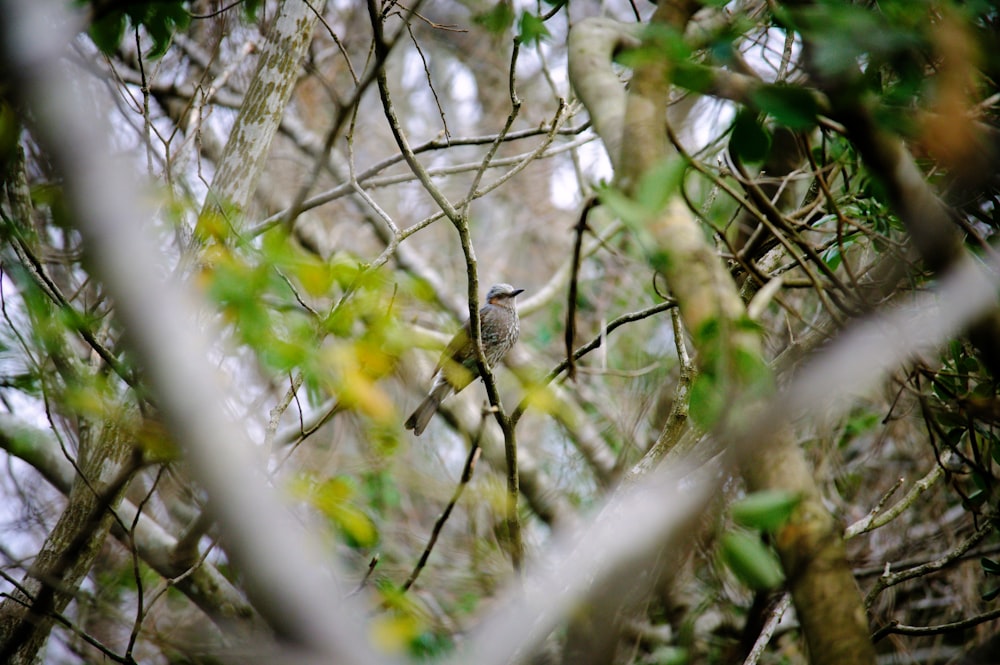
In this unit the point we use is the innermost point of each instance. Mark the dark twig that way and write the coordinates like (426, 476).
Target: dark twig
(591, 345)
(459, 220)
(217, 12)
(141, 608)
(343, 113)
(470, 467)
(894, 627)
(372, 565)
(44, 602)
(888, 579)
(570, 335)
(62, 619)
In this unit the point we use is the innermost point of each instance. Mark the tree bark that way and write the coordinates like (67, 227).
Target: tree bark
(204, 585)
(259, 118)
(107, 462)
(809, 545)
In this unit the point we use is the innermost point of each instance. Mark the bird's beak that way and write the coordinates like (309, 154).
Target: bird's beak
(516, 292)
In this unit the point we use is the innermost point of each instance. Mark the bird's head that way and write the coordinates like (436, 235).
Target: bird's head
(502, 294)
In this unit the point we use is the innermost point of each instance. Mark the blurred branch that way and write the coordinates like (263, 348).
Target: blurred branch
(205, 585)
(809, 546)
(280, 565)
(632, 533)
(593, 43)
(634, 529)
(925, 216)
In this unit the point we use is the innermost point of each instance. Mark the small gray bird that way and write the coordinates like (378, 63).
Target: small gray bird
(498, 327)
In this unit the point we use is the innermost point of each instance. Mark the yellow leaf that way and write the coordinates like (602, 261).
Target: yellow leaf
(352, 383)
(316, 278)
(394, 633)
(332, 497)
(543, 399)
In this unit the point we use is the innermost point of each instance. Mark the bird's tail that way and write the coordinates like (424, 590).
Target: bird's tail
(422, 415)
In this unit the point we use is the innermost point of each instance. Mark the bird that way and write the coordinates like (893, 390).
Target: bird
(498, 328)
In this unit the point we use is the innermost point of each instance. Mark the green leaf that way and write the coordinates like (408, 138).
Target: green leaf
(753, 563)
(660, 260)
(843, 34)
(162, 20)
(750, 141)
(531, 29)
(832, 257)
(766, 510)
(250, 8)
(990, 594)
(659, 184)
(333, 497)
(624, 207)
(707, 335)
(990, 566)
(659, 43)
(976, 498)
(497, 20)
(752, 373)
(968, 365)
(692, 76)
(652, 194)
(668, 655)
(860, 422)
(790, 106)
(708, 400)
(429, 645)
(107, 31)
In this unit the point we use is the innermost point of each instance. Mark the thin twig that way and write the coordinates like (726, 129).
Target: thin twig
(894, 627)
(467, 471)
(767, 632)
(888, 579)
(878, 517)
(570, 334)
(44, 602)
(590, 346)
(375, 71)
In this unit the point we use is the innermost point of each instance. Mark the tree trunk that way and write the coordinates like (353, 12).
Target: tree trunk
(107, 462)
(249, 142)
(810, 546)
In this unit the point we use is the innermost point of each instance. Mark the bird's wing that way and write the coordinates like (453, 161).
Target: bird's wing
(455, 360)
(455, 347)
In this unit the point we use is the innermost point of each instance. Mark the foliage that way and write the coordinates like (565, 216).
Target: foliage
(159, 19)
(332, 294)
